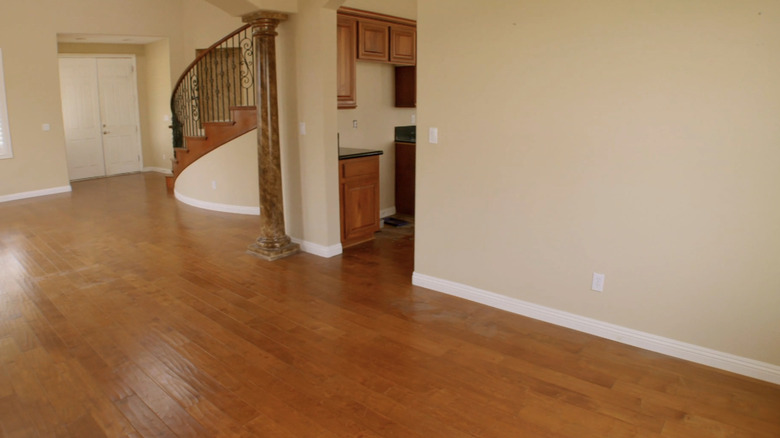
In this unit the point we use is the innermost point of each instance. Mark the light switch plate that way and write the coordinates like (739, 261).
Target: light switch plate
(598, 282)
(433, 135)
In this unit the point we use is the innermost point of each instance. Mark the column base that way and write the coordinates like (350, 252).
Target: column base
(273, 253)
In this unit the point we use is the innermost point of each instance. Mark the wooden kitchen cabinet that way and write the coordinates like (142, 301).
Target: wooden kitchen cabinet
(403, 44)
(359, 199)
(345, 52)
(406, 86)
(373, 40)
(405, 164)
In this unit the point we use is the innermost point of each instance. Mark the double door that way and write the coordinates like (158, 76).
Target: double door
(100, 112)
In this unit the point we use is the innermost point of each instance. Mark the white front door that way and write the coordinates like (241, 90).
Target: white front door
(100, 110)
(119, 113)
(81, 114)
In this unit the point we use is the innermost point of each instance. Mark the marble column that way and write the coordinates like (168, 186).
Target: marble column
(273, 243)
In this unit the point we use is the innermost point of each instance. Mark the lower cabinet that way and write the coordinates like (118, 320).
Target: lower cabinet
(405, 159)
(359, 199)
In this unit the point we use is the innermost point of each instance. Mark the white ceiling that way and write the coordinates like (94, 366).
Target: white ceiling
(104, 39)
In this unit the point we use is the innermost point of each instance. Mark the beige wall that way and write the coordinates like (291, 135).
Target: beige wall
(314, 28)
(636, 139)
(158, 150)
(376, 117)
(32, 77)
(226, 176)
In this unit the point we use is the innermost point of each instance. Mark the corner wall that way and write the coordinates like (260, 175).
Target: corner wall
(634, 139)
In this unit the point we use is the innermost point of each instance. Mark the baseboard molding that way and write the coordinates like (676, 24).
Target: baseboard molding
(387, 212)
(35, 193)
(158, 170)
(317, 249)
(225, 208)
(309, 247)
(694, 353)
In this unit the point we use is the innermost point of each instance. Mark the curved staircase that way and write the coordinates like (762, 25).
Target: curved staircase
(213, 101)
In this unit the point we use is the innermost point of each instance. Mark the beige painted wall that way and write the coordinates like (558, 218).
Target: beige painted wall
(314, 29)
(232, 168)
(636, 139)
(158, 152)
(32, 77)
(376, 117)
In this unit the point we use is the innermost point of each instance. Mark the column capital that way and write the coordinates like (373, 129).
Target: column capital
(262, 18)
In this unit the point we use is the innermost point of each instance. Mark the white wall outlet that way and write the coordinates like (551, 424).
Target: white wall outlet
(598, 282)
(433, 135)
(213, 185)
(46, 127)
(302, 128)
(354, 123)
(414, 119)
(165, 156)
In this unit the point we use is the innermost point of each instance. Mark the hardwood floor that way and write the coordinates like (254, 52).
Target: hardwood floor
(126, 313)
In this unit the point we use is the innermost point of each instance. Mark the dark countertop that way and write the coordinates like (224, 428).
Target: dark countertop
(345, 153)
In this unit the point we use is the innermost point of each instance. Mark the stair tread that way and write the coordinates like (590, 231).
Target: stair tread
(221, 123)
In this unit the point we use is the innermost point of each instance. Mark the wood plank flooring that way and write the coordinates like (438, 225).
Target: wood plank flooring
(126, 313)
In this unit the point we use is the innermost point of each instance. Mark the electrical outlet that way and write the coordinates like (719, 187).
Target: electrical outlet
(414, 119)
(165, 156)
(213, 185)
(598, 282)
(354, 123)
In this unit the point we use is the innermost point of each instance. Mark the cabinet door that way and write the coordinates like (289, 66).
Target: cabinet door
(373, 40)
(361, 211)
(406, 86)
(405, 163)
(345, 50)
(403, 44)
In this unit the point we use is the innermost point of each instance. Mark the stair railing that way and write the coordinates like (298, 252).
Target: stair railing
(220, 77)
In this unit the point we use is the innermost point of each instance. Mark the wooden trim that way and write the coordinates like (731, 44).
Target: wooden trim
(376, 16)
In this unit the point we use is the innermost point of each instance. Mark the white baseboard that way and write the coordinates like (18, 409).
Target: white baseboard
(387, 212)
(225, 208)
(35, 193)
(158, 169)
(309, 247)
(694, 353)
(317, 249)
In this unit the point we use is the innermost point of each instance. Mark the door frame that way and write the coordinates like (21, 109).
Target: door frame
(137, 112)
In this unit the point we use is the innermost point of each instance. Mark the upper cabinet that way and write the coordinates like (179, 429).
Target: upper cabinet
(369, 36)
(345, 53)
(403, 44)
(373, 40)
